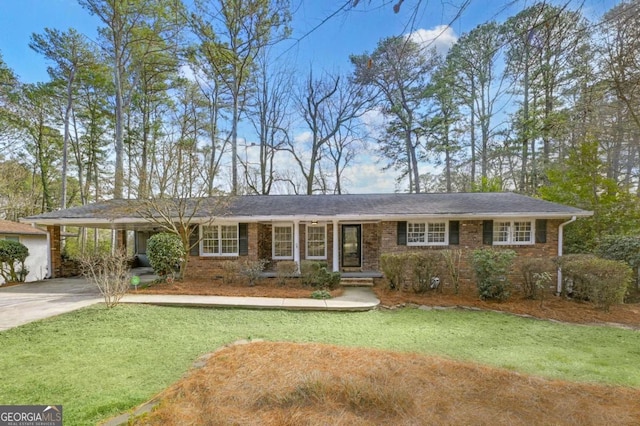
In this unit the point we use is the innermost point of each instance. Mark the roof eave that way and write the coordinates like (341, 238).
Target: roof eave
(123, 221)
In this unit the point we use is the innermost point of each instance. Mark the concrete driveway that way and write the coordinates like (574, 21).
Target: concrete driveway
(21, 304)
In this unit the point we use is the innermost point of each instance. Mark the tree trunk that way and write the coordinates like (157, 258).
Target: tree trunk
(65, 142)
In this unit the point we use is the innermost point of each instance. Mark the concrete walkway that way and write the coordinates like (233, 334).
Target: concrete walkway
(24, 303)
(353, 299)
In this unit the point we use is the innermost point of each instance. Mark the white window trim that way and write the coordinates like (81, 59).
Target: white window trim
(306, 243)
(218, 225)
(273, 241)
(426, 235)
(511, 242)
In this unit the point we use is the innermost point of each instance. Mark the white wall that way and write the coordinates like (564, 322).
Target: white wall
(37, 261)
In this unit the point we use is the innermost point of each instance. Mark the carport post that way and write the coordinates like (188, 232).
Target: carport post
(55, 251)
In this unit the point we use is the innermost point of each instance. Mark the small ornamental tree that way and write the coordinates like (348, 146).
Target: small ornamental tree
(492, 268)
(12, 257)
(166, 253)
(109, 272)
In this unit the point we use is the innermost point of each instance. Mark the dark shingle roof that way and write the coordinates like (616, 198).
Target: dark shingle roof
(351, 205)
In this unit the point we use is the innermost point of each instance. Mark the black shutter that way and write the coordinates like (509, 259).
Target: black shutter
(487, 232)
(194, 238)
(541, 230)
(454, 232)
(243, 239)
(402, 233)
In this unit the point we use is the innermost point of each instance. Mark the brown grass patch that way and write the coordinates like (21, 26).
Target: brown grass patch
(267, 287)
(553, 307)
(314, 384)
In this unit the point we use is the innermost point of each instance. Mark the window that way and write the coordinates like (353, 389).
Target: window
(437, 233)
(12, 238)
(219, 240)
(513, 232)
(427, 233)
(283, 242)
(316, 242)
(501, 232)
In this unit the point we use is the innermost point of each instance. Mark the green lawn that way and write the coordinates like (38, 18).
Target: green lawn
(98, 363)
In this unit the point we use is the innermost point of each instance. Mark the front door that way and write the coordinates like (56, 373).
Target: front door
(351, 246)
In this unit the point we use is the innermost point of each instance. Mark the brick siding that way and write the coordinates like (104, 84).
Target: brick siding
(378, 238)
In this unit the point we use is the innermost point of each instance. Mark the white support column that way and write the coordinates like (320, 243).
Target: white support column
(336, 245)
(296, 242)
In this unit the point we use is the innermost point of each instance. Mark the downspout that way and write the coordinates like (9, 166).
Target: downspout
(560, 241)
(48, 255)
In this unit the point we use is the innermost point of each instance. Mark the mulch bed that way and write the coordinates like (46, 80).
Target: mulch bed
(312, 384)
(268, 287)
(553, 307)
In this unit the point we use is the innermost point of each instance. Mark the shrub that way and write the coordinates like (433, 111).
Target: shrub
(602, 281)
(230, 270)
(315, 274)
(541, 281)
(622, 248)
(530, 268)
(393, 267)
(166, 253)
(110, 273)
(252, 270)
(573, 284)
(423, 266)
(491, 268)
(321, 294)
(286, 269)
(12, 257)
(452, 260)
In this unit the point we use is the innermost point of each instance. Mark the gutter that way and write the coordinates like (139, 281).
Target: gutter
(560, 241)
(49, 272)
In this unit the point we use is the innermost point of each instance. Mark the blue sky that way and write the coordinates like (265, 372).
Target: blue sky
(328, 47)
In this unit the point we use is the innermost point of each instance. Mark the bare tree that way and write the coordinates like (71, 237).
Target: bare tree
(181, 216)
(327, 105)
(269, 115)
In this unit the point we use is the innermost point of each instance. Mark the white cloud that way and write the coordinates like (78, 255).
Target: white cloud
(303, 137)
(187, 72)
(368, 178)
(442, 37)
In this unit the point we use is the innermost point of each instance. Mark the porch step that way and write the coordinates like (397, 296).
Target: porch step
(356, 282)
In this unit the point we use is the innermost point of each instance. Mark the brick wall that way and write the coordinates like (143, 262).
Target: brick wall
(211, 266)
(471, 239)
(378, 238)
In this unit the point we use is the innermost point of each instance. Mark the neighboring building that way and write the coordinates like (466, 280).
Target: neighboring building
(349, 232)
(36, 240)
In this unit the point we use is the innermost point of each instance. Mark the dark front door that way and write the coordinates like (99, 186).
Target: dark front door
(351, 246)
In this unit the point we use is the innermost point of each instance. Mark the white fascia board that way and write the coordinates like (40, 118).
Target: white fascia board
(394, 217)
(123, 221)
(101, 223)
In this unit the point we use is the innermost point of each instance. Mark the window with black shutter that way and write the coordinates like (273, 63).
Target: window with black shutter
(541, 230)
(194, 238)
(454, 232)
(243, 239)
(487, 232)
(402, 233)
